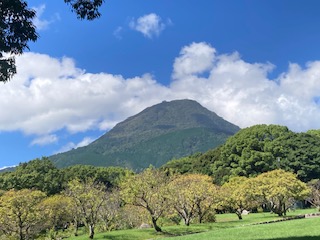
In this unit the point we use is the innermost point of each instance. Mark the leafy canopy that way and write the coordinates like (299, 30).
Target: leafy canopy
(17, 29)
(147, 190)
(255, 150)
(20, 213)
(280, 190)
(86, 9)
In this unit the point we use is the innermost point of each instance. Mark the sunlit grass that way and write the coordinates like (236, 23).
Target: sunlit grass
(302, 229)
(227, 227)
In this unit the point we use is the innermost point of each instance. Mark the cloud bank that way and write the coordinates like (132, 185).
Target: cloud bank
(48, 94)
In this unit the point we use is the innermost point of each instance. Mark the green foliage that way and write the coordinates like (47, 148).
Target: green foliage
(255, 150)
(38, 174)
(314, 198)
(58, 213)
(41, 174)
(299, 153)
(20, 214)
(154, 136)
(85, 9)
(88, 199)
(16, 30)
(197, 163)
(247, 153)
(279, 190)
(192, 195)
(109, 176)
(147, 190)
(263, 148)
(315, 132)
(239, 194)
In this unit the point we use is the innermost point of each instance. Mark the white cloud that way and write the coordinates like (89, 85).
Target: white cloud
(194, 59)
(39, 22)
(70, 145)
(1, 168)
(149, 25)
(50, 94)
(118, 32)
(45, 140)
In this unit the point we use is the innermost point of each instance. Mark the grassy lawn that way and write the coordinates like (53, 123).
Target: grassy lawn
(302, 229)
(227, 227)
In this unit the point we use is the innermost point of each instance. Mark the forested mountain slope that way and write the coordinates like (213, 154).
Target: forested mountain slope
(154, 136)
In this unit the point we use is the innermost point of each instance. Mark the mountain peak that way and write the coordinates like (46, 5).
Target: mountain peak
(154, 136)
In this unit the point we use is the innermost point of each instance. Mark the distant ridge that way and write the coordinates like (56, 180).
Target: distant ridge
(154, 136)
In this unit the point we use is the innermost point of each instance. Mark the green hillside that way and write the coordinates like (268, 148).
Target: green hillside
(255, 150)
(154, 136)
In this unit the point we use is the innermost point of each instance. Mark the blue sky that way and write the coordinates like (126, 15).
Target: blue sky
(250, 61)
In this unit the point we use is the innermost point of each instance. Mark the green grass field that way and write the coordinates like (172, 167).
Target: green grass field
(227, 227)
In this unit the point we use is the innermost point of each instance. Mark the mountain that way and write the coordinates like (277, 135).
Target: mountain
(154, 136)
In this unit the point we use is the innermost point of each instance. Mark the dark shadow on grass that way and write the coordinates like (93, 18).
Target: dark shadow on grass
(180, 233)
(296, 238)
(130, 236)
(120, 237)
(162, 234)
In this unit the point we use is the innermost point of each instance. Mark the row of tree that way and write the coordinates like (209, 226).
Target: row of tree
(150, 195)
(43, 175)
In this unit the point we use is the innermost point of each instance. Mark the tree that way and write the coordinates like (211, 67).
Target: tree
(110, 211)
(197, 163)
(315, 132)
(244, 153)
(192, 195)
(109, 176)
(147, 190)
(20, 213)
(299, 153)
(86, 9)
(57, 210)
(257, 149)
(314, 198)
(239, 194)
(131, 216)
(280, 189)
(88, 197)
(38, 174)
(17, 29)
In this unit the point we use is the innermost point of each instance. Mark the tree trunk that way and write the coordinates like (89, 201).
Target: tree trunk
(200, 214)
(187, 221)
(21, 237)
(156, 227)
(91, 231)
(76, 228)
(20, 234)
(239, 214)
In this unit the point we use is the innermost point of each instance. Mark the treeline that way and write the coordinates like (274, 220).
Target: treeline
(255, 150)
(115, 198)
(41, 174)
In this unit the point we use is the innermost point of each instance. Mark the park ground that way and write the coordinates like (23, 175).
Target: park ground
(228, 227)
